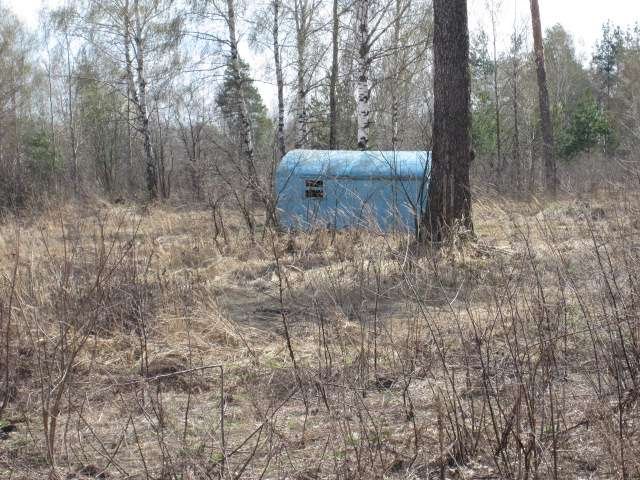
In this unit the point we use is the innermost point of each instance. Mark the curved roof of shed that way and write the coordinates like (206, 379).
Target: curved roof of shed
(354, 164)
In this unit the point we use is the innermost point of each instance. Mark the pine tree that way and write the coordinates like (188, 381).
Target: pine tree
(449, 189)
(228, 100)
(550, 166)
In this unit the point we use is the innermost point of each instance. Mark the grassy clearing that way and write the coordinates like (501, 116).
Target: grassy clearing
(146, 343)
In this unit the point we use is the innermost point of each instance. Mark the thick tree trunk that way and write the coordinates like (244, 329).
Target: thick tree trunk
(333, 83)
(449, 190)
(550, 167)
(364, 63)
(279, 78)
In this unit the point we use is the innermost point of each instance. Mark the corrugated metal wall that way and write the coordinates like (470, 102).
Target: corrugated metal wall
(382, 190)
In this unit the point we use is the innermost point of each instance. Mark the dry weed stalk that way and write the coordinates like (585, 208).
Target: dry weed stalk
(344, 354)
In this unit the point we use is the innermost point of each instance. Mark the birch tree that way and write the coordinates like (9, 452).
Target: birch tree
(398, 70)
(63, 19)
(363, 42)
(333, 79)
(373, 21)
(277, 58)
(516, 47)
(140, 39)
(607, 65)
(246, 132)
(494, 6)
(15, 81)
(304, 12)
(139, 93)
(270, 32)
(128, 68)
(408, 50)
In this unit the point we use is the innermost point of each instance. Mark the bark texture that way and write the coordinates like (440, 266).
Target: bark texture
(397, 73)
(246, 133)
(279, 78)
(364, 64)
(550, 166)
(126, 20)
(301, 22)
(304, 13)
(72, 121)
(517, 160)
(499, 167)
(449, 189)
(151, 171)
(333, 82)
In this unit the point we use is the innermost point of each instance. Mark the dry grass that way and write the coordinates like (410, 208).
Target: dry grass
(344, 355)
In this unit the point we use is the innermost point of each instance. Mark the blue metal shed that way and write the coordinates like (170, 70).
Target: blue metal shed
(341, 189)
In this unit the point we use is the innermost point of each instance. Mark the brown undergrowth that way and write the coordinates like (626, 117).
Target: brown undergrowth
(157, 343)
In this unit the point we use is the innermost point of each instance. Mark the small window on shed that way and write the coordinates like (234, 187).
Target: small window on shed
(314, 189)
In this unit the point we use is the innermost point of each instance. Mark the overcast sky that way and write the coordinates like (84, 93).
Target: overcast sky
(582, 18)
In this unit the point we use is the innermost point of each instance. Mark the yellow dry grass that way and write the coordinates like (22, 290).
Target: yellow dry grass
(173, 297)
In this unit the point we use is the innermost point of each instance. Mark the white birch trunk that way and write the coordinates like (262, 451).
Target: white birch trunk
(301, 15)
(494, 10)
(72, 121)
(279, 77)
(245, 120)
(395, 93)
(301, 114)
(333, 103)
(130, 87)
(363, 91)
(150, 170)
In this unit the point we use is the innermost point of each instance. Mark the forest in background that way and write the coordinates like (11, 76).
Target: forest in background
(155, 323)
(152, 99)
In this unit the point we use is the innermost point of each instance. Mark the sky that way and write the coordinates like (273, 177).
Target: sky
(583, 19)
